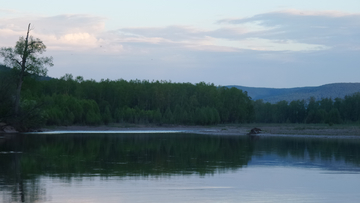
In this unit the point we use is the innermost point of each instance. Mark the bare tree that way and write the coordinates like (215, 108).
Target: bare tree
(24, 58)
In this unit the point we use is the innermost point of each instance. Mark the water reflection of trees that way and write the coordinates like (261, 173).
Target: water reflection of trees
(160, 154)
(123, 155)
(14, 187)
(76, 155)
(347, 150)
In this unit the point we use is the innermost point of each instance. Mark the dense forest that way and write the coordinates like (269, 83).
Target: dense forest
(69, 101)
(75, 101)
(326, 110)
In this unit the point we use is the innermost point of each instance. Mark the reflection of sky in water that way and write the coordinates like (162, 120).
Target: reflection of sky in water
(251, 184)
(330, 165)
(177, 168)
(111, 132)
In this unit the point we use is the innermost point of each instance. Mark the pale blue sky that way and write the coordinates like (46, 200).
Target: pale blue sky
(252, 43)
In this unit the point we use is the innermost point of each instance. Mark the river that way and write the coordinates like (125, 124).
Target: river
(177, 167)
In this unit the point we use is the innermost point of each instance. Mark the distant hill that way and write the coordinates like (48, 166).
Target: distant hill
(274, 95)
(5, 69)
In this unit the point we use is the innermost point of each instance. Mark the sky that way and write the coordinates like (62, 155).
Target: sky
(260, 43)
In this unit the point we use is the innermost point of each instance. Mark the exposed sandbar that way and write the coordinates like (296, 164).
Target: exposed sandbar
(288, 130)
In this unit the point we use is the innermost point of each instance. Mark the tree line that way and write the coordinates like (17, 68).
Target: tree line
(69, 101)
(326, 110)
(75, 101)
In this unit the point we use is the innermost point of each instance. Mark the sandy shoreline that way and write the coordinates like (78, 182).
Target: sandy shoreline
(280, 130)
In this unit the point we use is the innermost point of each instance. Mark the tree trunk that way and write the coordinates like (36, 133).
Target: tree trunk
(17, 96)
(22, 72)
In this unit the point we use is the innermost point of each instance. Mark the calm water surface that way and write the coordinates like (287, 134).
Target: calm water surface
(177, 167)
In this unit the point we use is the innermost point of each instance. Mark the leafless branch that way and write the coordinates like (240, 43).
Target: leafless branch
(16, 61)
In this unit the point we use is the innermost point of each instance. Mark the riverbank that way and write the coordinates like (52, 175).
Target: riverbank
(290, 130)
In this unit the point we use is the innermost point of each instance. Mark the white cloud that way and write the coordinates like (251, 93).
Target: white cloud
(8, 11)
(65, 32)
(326, 28)
(250, 51)
(289, 30)
(316, 13)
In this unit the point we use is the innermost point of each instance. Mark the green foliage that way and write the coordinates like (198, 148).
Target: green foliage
(7, 88)
(317, 116)
(106, 116)
(92, 118)
(75, 101)
(325, 110)
(333, 117)
(157, 116)
(25, 61)
(135, 101)
(31, 116)
(28, 49)
(168, 116)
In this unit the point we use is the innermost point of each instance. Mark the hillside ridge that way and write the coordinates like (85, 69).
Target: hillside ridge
(273, 95)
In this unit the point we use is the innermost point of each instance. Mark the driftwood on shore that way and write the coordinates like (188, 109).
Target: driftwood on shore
(4, 128)
(254, 131)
